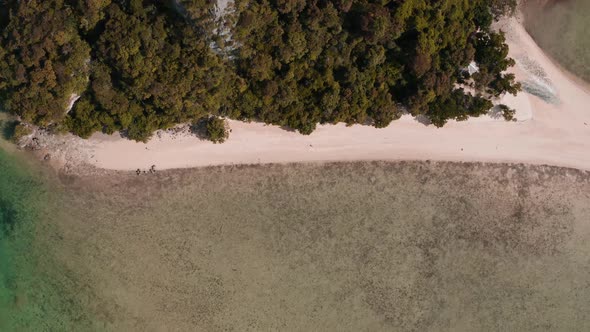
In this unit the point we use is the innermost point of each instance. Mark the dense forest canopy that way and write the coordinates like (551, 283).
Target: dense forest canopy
(137, 66)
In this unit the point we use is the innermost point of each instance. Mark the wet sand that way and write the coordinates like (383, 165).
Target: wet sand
(345, 247)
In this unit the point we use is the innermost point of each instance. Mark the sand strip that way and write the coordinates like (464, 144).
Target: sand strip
(554, 129)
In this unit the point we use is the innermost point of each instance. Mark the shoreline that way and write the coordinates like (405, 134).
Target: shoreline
(578, 81)
(547, 134)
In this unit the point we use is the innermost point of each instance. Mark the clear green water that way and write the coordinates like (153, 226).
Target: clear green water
(35, 293)
(562, 30)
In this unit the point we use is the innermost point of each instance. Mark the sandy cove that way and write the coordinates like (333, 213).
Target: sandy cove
(552, 130)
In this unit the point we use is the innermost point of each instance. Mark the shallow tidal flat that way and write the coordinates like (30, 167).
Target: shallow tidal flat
(561, 29)
(347, 246)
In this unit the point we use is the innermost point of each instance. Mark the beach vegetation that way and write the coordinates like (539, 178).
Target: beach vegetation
(143, 65)
(217, 129)
(43, 60)
(507, 113)
(19, 131)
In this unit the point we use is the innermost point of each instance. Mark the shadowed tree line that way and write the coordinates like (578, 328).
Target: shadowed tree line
(139, 65)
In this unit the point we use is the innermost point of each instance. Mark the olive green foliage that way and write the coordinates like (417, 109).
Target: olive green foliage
(196, 10)
(309, 62)
(20, 130)
(507, 112)
(89, 13)
(152, 69)
(145, 65)
(211, 128)
(42, 60)
(457, 105)
(217, 130)
(492, 58)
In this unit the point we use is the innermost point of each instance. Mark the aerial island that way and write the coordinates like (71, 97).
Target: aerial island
(132, 75)
(138, 66)
(294, 165)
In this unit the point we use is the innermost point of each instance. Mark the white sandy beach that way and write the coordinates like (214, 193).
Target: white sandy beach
(554, 130)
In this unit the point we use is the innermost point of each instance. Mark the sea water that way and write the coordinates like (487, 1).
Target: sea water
(341, 246)
(36, 293)
(561, 29)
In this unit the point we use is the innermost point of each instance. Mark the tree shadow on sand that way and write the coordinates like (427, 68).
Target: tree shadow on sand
(199, 129)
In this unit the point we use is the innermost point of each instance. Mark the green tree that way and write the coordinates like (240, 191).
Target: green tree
(143, 65)
(217, 130)
(507, 112)
(152, 71)
(44, 60)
